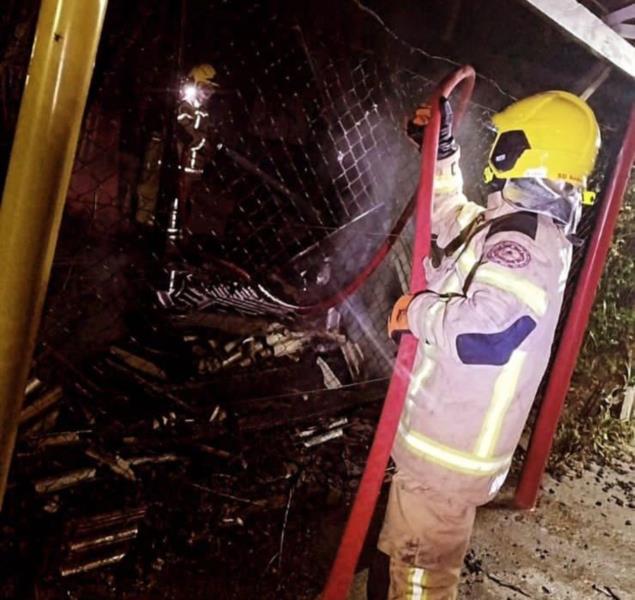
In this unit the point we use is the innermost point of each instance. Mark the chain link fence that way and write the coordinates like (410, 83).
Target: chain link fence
(219, 295)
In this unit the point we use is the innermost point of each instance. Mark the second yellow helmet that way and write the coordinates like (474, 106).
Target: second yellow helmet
(203, 74)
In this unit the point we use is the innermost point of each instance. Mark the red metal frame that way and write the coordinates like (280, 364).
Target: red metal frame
(343, 569)
(573, 333)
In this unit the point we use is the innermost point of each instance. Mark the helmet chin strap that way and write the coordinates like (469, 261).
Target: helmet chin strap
(557, 199)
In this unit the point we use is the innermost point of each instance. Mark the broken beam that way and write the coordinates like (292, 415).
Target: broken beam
(322, 404)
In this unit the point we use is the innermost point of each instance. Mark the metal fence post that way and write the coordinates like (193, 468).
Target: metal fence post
(44, 145)
(575, 327)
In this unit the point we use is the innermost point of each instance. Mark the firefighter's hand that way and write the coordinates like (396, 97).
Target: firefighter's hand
(398, 320)
(416, 125)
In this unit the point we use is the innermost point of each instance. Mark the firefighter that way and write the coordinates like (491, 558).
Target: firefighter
(194, 146)
(485, 326)
(193, 117)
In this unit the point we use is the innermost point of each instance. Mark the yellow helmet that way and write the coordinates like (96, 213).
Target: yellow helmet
(552, 135)
(203, 74)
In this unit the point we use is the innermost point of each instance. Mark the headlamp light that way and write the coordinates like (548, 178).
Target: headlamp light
(189, 93)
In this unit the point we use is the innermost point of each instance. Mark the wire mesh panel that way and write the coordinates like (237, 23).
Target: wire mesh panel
(215, 323)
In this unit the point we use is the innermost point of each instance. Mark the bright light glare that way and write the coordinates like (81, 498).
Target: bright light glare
(189, 93)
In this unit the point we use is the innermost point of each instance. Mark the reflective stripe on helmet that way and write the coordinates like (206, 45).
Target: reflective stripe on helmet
(450, 458)
(502, 396)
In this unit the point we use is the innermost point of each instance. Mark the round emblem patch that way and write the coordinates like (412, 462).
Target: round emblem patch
(509, 254)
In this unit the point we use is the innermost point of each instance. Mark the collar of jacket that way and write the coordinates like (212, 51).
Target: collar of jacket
(564, 210)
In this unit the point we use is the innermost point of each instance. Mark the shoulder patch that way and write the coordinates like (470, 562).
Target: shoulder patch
(523, 222)
(509, 254)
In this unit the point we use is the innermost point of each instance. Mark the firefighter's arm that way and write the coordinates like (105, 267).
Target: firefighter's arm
(451, 210)
(507, 296)
(185, 113)
(185, 118)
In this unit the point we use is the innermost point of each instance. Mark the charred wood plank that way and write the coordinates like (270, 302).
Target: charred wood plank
(225, 322)
(41, 405)
(321, 404)
(69, 479)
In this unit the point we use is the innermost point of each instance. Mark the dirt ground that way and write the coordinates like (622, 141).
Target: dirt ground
(577, 545)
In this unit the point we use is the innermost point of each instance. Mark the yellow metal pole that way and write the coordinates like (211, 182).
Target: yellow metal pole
(44, 145)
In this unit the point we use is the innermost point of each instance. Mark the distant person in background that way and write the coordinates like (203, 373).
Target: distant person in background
(193, 117)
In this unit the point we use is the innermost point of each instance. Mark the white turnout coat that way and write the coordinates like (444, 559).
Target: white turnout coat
(485, 326)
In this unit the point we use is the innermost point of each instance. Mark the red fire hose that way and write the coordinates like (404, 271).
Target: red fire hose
(343, 568)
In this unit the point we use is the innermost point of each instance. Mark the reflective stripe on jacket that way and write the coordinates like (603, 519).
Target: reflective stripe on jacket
(485, 326)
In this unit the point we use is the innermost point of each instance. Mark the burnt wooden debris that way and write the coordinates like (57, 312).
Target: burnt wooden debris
(187, 443)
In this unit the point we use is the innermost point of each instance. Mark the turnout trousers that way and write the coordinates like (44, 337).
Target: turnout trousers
(426, 535)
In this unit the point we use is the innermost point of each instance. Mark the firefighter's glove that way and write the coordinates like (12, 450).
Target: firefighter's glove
(398, 320)
(416, 126)
(447, 144)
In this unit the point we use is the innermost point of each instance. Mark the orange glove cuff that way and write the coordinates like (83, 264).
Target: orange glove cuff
(398, 321)
(423, 114)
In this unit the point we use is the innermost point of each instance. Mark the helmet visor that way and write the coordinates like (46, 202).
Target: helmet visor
(507, 149)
